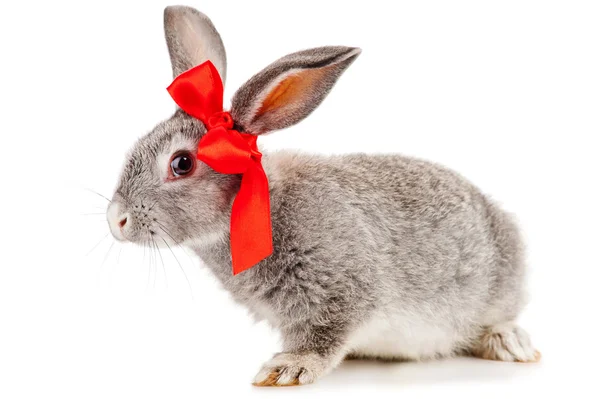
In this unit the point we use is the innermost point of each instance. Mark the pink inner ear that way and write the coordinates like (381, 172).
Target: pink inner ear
(295, 89)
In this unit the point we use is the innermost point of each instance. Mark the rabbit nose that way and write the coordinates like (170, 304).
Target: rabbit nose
(117, 220)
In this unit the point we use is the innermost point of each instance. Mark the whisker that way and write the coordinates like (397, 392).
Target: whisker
(144, 254)
(155, 264)
(180, 267)
(97, 193)
(107, 253)
(93, 213)
(149, 266)
(161, 261)
(98, 243)
(119, 254)
(163, 228)
(152, 206)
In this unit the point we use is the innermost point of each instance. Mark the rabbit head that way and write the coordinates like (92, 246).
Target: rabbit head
(163, 189)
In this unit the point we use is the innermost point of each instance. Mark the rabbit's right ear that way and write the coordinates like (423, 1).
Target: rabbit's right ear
(192, 39)
(289, 89)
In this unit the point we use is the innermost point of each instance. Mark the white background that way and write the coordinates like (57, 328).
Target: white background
(507, 93)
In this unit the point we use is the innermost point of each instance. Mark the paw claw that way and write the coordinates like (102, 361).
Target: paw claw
(284, 377)
(537, 356)
(269, 380)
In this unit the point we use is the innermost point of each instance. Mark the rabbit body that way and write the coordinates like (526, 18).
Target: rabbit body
(392, 256)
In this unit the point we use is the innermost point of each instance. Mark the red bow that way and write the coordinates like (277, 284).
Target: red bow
(199, 92)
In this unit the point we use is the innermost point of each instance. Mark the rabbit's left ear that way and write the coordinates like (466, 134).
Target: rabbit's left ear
(193, 39)
(288, 90)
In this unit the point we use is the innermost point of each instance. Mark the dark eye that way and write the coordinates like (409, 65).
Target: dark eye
(182, 164)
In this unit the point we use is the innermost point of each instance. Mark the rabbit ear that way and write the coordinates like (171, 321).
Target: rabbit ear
(192, 39)
(288, 90)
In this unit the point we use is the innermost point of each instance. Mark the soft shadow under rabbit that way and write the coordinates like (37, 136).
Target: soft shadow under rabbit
(374, 255)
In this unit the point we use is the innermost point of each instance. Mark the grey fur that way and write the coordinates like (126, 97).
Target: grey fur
(363, 244)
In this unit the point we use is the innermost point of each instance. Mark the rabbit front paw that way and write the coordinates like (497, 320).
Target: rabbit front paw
(288, 369)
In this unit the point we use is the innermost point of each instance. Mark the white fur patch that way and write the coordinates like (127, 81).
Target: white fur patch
(401, 335)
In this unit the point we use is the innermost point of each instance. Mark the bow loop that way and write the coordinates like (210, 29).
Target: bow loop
(199, 92)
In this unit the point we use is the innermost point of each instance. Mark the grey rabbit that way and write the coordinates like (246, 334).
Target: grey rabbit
(375, 256)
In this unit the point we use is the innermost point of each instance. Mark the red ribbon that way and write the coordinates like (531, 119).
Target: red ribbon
(199, 92)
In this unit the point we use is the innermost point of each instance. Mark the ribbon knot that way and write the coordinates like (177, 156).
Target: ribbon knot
(199, 92)
(220, 119)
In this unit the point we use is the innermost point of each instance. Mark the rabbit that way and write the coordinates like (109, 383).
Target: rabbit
(374, 256)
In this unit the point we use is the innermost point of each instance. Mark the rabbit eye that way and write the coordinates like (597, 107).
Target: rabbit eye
(182, 164)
